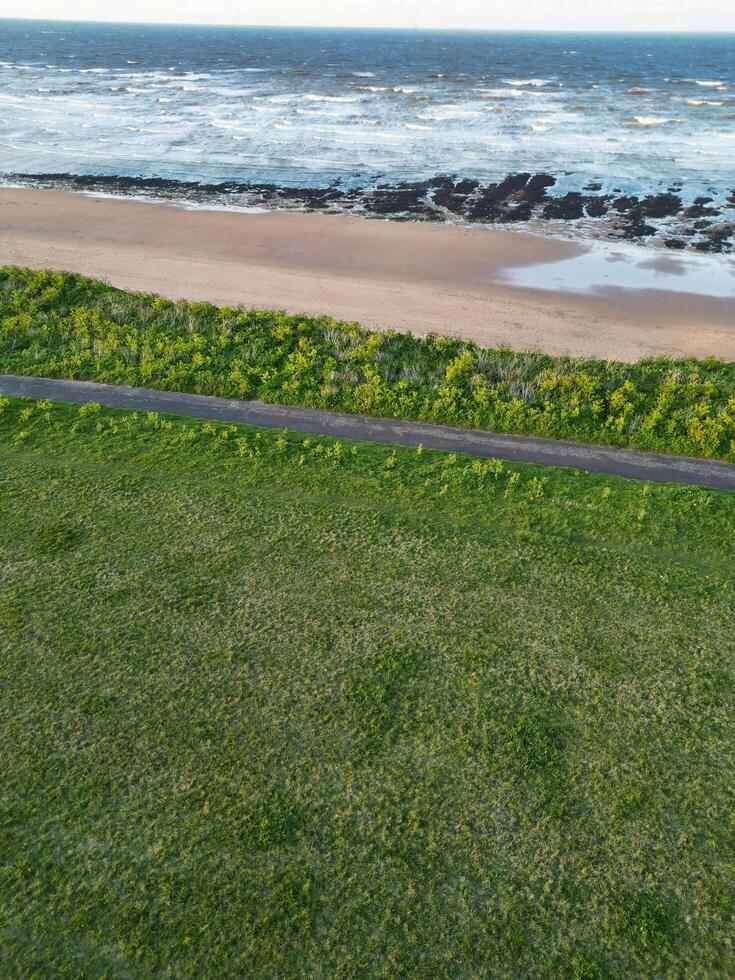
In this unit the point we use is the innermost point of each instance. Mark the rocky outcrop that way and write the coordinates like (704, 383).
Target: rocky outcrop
(567, 208)
(704, 223)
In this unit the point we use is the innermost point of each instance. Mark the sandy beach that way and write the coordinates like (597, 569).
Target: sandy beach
(384, 274)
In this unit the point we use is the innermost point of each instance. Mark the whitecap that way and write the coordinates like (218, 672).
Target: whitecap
(447, 113)
(516, 82)
(310, 97)
(225, 124)
(650, 121)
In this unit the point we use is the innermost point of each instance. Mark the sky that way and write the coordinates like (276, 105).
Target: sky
(635, 15)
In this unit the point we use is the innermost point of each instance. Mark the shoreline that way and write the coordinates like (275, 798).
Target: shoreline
(672, 216)
(407, 276)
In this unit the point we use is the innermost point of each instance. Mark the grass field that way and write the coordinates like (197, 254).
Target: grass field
(283, 707)
(62, 325)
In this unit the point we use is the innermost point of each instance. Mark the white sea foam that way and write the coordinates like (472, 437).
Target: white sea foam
(647, 122)
(517, 82)
(312, 97)
(446, 113)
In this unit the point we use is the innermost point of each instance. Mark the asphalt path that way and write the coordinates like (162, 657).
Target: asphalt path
(517, 449)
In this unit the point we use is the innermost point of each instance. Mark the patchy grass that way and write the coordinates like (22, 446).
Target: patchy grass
(275, 706)
(62, 325)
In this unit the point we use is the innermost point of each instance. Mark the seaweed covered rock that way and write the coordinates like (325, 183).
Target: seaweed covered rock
(567, 208)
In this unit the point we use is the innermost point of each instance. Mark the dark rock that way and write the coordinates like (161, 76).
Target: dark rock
(540, 180)
(521, 212)
(709, 245)
(699, 211)
(622, 204)
(447, 183)
(638, 229)
(400, 200)
(721, 233)
(535, 190)
(675, 243)
(703, 200)
(702, 223)
(466, 186)
(597, 207)
(456, 203)
(488, 208)
(659, 206)
(568, 208)
(484, 210)
(511, 185)
(592, 187)
(314, 197)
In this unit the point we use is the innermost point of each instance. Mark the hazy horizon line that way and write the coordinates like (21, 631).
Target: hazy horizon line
(365, 27)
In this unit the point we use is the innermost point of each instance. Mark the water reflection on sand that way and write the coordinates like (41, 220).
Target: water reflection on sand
(602, 268)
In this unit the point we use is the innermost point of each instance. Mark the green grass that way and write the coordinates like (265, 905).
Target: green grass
(63, 325)
(283, 707)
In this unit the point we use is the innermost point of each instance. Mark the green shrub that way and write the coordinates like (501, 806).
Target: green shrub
(61, 325)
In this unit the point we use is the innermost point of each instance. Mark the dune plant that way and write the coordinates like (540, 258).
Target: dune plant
(63, 325)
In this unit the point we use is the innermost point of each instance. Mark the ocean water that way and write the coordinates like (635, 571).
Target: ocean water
(300, 108)
(305, 105)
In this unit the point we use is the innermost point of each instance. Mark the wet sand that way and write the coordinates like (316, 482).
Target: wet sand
(384, 274)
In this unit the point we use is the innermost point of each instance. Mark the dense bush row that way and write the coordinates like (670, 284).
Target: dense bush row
(62, 325)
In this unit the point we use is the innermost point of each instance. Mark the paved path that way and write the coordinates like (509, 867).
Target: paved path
(516, 449)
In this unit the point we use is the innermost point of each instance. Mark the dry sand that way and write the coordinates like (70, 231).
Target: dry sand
(384, 274)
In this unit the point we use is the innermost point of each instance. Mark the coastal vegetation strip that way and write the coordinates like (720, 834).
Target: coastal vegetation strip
(635, 465)
(66, 326)
(280, 703)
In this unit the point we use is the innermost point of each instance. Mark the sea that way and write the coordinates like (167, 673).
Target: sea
(618, 115)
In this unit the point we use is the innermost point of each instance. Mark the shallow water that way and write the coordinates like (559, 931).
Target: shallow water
(621, 267)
